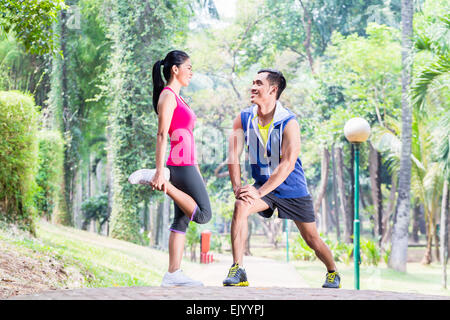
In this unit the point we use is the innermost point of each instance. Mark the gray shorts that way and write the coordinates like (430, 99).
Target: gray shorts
(297, 209)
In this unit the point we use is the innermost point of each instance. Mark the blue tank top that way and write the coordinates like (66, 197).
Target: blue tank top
(265, 158)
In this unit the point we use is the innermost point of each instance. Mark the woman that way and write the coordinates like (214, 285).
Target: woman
(186, 186)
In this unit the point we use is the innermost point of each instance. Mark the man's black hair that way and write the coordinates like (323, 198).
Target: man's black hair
(275, 77)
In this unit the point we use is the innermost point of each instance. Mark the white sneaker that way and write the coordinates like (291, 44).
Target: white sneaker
(144, 176)
(178, 278)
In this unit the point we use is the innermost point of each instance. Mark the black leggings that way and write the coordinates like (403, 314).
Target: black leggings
(189, 180)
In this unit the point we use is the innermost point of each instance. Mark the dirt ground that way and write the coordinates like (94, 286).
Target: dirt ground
(29, 272)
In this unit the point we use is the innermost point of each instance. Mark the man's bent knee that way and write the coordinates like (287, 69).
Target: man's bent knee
(241, 209)
(242, 205)
(313, 241)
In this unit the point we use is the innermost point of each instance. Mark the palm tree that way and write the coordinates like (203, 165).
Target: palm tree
(434, 38)
(430, 137)
(441, 139)
(426, 177)
(399, 249)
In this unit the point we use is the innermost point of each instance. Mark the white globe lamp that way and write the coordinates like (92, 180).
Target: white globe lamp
(357, 130)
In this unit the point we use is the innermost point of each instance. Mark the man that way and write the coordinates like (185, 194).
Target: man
(272, 136)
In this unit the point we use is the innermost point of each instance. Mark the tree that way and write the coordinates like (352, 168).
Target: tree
(399, 248)
(138, 31)
(428, 89)
(358, 77)
(31, 21)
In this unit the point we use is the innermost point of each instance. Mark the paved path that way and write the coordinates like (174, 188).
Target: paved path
(261, 272)
(221, 293)
(284, 284)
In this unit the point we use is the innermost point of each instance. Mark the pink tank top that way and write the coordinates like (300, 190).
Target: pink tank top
(182, 145)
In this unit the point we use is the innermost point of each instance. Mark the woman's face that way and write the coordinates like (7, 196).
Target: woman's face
(183, 73)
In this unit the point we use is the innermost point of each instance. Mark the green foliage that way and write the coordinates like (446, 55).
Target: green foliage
(370, 252)
(18, 158)
(136, 44)
(31, 21)
(426, 168)
(49, 176)
(342, 252)
(386, 255)
(432, 38)
(301, 250)
(361, 77)
(192, 237)
(217, 242)
(95, 208)
(76, 104)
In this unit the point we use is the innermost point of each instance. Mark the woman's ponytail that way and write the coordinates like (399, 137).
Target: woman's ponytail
(173, 58)
(158, 83)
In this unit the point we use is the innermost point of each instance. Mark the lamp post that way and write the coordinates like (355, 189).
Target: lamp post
(357, 131)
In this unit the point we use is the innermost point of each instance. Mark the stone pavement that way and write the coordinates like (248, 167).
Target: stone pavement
(284, 284)
(261, 272)
(223, 293)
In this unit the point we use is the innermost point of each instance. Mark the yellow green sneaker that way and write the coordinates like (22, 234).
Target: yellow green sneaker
(333, 280)
(236, 277)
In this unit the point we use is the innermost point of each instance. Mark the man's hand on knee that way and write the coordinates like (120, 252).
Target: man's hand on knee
(250, 193)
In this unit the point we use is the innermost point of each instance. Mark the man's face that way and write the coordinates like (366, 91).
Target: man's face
(261, 90)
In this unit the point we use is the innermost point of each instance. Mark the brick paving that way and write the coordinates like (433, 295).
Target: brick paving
(285, 284)
(221, 293)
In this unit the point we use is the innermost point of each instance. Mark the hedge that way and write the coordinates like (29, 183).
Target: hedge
(18, 158)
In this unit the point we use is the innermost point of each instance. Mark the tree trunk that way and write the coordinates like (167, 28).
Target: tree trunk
(431, 235)
(272, 228)
(59, 106)
(398, 257)
(219, 174)
(427, 257)
(323, 180)
(146, 217)
(444, 233)
(159, 224)
(324, 221)
(436, 237)
(165, 223)
(307, 24)
(342, 198)
(152, 221)
(416, 224)
(109, 175)
(387, 218)
(335, 196)
(375, 182)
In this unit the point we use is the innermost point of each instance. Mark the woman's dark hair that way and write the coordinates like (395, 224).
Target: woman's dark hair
(275, 77)
(173, 58)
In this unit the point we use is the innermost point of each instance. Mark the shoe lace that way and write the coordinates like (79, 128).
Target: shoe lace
(331, 277)
(233, 271)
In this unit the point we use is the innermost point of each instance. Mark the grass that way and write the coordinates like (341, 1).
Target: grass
(103, 261)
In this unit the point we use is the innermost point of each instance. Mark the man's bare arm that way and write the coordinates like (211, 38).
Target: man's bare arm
(235, 147)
